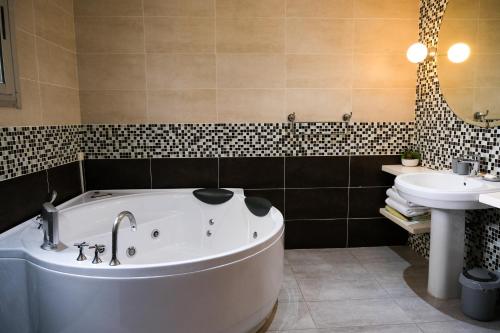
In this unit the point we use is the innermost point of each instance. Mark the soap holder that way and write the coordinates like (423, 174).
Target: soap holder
(491, 178)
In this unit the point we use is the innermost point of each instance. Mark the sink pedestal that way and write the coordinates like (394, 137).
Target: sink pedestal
(446, 252)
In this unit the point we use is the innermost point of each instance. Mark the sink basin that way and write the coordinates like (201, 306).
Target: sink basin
(448, 195)
(444, 190)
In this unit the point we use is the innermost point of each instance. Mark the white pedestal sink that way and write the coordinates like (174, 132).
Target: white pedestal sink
(448, 195)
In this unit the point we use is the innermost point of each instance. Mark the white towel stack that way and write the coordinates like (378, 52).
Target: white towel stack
(405, 207)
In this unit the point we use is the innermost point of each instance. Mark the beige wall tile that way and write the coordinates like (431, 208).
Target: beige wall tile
(59, 105)
(489, 9)
(110, 34)
(182, 106)
(108, 7)
(180, 71)
(487, 99)
(453, 75)
(320, 8)
(488, 36)
(250, 71)
(111, 107)
(319, 71)
(255, 35)
(111, 71)
(180, 34)
(383, 105)
(26, 56)
(454, 31)
(460, 100)
(250, 8)
(54, 24)
(383, 71)
(487, 70)
(56, 65)
(179, 7)
(24, 17)
(463, 9)
(311, 36)
(386, 9)
(384, 36)
(30, 112)
(319, 104)
(250, 105)
(66, 5)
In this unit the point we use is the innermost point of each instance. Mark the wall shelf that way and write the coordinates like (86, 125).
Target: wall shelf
(398, 169)
(413, 228)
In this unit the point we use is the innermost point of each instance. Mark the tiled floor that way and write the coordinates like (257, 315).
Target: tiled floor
(364, 290)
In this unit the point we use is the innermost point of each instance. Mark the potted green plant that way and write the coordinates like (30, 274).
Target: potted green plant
(410, 157)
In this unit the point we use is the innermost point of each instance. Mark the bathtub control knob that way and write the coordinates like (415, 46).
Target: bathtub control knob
(80, 246)
(211, 222)
(99, 248)
(209, 233)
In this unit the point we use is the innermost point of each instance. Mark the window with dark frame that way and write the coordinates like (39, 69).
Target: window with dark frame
(9, 82)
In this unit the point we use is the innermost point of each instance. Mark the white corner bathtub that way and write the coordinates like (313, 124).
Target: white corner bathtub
(187, 280)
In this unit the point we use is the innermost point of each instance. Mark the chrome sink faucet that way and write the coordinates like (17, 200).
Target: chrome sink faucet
(49, 222)
(473, 161)
(114, 234)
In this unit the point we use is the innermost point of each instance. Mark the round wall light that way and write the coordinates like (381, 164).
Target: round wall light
(417, 53)
(459, 52)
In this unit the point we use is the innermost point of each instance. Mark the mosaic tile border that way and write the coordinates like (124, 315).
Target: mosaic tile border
(24, 150)
(441, 136)
(246, 140)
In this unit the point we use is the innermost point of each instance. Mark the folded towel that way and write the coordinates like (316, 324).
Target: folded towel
(393, 194)
(405, 210)
(415, 219)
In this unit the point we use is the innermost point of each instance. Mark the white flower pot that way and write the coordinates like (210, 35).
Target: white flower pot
(410, 163)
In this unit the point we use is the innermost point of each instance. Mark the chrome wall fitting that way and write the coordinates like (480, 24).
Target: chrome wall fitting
(98, 248)
(80, 246)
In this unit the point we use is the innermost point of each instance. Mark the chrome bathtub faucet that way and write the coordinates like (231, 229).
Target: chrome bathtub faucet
(114, 234)
(99, 248)
(49, 222)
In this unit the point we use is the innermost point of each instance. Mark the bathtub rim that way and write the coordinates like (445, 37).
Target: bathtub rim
(27, 233)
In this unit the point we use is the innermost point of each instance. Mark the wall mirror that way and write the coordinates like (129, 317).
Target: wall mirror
(471, 85)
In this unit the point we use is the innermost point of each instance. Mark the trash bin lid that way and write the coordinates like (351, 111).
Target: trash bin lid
(480, 275)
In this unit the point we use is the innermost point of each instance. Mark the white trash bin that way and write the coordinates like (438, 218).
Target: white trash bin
(479, 293)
